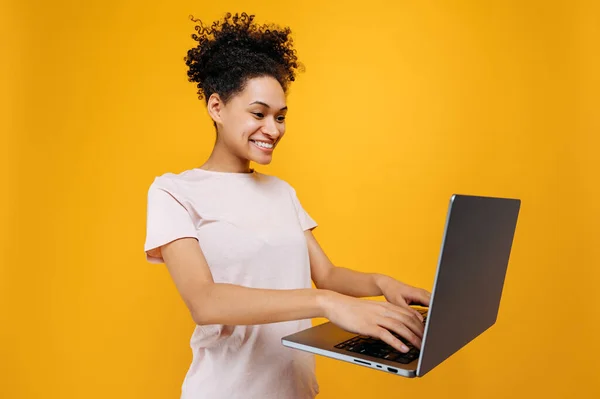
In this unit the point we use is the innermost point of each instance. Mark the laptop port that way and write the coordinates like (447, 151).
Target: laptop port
(392, 370)
(360, 361)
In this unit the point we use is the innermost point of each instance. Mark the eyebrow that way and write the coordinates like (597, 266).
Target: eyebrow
(267, 105)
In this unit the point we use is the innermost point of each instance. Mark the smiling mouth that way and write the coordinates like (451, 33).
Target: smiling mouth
(262, 145)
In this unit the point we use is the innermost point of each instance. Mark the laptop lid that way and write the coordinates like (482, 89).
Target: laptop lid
(475, 251)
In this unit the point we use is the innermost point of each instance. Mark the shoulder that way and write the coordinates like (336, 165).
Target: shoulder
(173, 182)
(180, 178)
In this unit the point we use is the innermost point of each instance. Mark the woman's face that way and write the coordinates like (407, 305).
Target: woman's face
(252, 123)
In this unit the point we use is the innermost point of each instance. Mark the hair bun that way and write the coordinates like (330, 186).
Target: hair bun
(235, 49)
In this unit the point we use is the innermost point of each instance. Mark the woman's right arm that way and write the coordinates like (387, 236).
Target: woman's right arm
(220, 303)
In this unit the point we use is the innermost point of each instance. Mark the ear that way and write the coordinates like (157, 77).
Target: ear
(215, 108)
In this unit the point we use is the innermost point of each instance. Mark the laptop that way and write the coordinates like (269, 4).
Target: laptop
(465, 298)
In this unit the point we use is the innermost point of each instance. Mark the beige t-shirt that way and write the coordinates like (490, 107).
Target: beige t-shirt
(250, 227)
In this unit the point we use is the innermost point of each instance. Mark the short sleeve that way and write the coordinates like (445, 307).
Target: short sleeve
(306, 221)
(166, 220)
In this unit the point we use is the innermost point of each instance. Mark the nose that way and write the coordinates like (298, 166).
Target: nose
(271, 128)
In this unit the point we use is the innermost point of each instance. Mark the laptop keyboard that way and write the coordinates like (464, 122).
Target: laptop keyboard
(374, 347)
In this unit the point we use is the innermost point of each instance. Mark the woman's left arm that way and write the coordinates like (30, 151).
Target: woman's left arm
(349, 282)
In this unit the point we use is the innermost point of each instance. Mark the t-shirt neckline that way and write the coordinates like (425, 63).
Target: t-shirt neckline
(232, 174)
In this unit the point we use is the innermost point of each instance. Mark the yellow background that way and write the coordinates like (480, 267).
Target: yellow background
(403, 103)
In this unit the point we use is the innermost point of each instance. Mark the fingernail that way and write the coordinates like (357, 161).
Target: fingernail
(405, 348)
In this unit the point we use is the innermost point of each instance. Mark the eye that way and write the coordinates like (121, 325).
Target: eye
(258, 114)
(281, 118)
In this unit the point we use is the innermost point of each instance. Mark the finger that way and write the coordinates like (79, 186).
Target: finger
(418, 296)
(407, 307)
(389, 339)
(418, 314)
(424, 297)
(407, 334)
(413, 324)
(404, 306)
(403, 331)
(408, 316)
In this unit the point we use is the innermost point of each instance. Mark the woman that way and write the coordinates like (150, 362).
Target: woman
(238, 244)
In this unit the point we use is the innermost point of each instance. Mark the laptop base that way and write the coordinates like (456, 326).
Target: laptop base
(321, 340)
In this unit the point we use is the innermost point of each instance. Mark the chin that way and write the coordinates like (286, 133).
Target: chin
(262, 161)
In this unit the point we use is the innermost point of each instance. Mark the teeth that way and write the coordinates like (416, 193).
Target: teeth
(264, 145)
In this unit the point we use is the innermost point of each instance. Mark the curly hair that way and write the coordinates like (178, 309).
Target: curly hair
(234, 50)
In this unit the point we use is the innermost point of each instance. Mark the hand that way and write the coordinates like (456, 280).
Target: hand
(402, 294)
(374, 318)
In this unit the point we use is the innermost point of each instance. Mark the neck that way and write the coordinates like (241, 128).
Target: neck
(221, 160)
